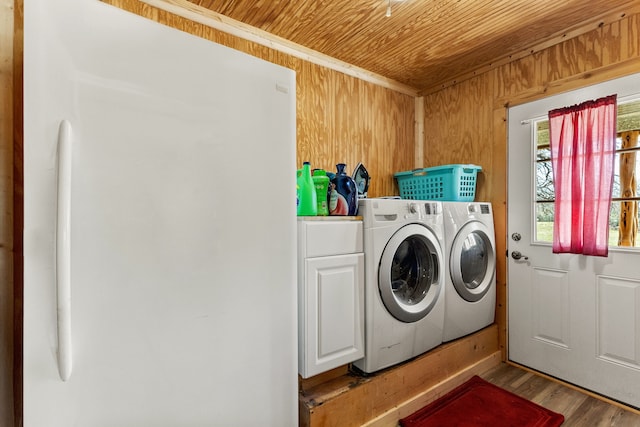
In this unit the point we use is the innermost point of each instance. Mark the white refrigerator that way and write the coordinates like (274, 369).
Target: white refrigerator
(159, 226)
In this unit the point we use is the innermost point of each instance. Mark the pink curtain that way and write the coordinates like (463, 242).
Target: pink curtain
(583, 142)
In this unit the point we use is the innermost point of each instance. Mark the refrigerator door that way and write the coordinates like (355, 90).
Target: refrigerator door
(181, 304)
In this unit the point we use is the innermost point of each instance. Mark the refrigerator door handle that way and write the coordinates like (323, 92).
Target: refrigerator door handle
(63, 250)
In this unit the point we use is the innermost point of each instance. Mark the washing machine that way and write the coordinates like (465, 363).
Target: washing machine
(470, 252)
(404, 280)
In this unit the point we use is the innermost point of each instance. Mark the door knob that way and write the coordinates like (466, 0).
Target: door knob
(517, 255)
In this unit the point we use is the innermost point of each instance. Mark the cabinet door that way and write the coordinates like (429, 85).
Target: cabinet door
(334, 315)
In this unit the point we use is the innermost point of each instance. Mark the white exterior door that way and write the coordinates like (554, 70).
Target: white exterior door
(571, 316)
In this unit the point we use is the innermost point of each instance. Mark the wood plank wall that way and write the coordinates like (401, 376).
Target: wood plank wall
(340, 119)
(466, 122)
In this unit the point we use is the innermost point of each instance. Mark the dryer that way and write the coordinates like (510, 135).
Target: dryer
(404, 280)
(470, 290)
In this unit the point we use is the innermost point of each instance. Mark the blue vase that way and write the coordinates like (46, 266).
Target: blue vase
(344, 193)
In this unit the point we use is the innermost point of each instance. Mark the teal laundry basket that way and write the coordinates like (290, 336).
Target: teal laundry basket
(454, 183)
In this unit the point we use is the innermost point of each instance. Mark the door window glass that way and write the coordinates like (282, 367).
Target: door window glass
(414, 269)
(623, 216)
(474, 260)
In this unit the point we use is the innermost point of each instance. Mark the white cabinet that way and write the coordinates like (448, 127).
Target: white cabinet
(330, 294)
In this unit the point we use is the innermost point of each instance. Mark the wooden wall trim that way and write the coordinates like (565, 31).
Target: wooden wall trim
(222, 23)
(419, 156)
(596, 22)
(499, 205)
(6, 212)
(18, 209)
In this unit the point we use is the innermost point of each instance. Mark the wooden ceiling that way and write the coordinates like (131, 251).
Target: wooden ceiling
(424, 43)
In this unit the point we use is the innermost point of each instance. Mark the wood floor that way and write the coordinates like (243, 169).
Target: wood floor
(578, 408)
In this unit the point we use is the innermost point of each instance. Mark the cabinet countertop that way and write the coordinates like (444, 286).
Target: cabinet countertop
(330, 218)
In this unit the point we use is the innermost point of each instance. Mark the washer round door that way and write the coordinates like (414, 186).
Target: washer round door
(410, 277)
(473, 261)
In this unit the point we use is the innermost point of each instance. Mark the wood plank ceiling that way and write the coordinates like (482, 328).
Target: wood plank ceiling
(424, 43)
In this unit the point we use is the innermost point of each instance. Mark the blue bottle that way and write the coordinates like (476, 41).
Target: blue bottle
(344, 193)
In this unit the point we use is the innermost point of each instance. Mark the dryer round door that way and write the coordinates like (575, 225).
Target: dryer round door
(410, 277)
(473, 262)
